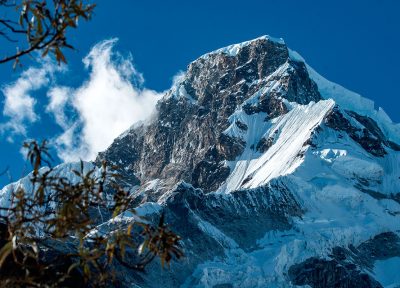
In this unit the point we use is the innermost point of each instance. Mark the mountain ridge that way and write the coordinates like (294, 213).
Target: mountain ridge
(272, 175)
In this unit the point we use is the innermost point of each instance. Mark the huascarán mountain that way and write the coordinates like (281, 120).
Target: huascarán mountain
(272, 175)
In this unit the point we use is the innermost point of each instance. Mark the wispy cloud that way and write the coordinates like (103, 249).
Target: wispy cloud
(107, 104)
(58, 100)
(90, 116)
(19, 104)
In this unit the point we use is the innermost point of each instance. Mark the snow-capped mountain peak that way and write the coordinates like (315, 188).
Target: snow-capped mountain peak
(272, 175)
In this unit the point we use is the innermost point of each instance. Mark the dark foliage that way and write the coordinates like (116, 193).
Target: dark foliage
(48, 235)
(40, 25)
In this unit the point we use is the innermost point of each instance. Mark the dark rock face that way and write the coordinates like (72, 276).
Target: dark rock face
(241, 125)
(218, 222)
(237, 212)
(185, 141)
(273, 106)
(119, 157)
(297, 85)
(230, 147)
(363, 187)
(219, 72)
(344, 269)
(320, 273)
(337, 121)
(381, 247)
(371, 137)
(211, 171)
(264, 144)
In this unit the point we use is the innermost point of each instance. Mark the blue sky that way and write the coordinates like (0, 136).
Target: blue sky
(353, 43)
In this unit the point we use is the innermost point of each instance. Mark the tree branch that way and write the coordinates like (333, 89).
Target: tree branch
(37, 46)
(8, 24)
(4, 35)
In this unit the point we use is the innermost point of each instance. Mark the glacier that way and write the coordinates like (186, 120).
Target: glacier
(272, 175)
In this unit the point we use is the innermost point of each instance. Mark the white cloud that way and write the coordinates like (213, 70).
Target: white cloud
(58, 99)
(178, 78)
(19, 105)
(107, 104)
(91, 116)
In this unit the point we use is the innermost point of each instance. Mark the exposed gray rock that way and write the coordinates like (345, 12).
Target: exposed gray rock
(371, 137)
(219, 222)
(186, 141)
(264, 144)
(319, 273)
(346, 268)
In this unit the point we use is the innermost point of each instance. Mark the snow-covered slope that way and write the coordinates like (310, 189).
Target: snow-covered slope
(272, 175)
(63, 170)
(288, 133)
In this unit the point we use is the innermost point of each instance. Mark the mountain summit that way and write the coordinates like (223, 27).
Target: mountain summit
(272, 175)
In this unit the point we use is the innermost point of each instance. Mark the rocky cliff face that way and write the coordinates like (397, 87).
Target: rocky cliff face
(186, 140)
(272, 175)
